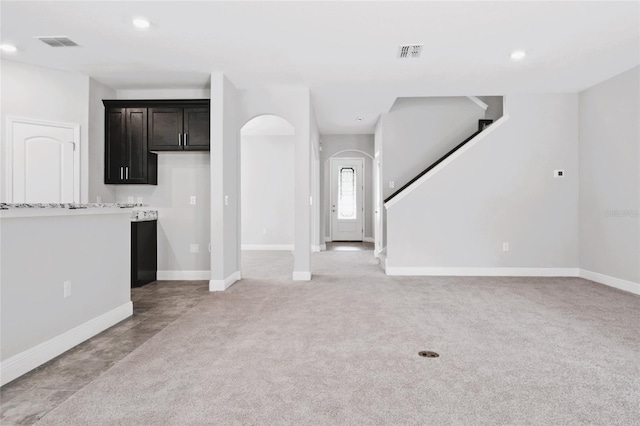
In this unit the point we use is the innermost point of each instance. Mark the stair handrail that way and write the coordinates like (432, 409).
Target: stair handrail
(482, 124)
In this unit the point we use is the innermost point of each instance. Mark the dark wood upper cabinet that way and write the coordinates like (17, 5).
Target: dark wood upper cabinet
(165, 129)
(127, 159)
(197, 129)
(179, 128)
(134, 128)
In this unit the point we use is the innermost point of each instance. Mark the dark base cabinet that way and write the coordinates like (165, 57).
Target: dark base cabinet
(144, 252)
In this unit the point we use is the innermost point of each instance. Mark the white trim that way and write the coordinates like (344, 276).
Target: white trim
(478, 102)
(382, 262)
(316, 248)
(289, 247)
(610, 281)
(222, 285)
(183, 275)
(483, 272)
(25, 361)
(327, 239)
(10, 121)
(448, 160)
(369, 240)
(323, 247)
(302, 275)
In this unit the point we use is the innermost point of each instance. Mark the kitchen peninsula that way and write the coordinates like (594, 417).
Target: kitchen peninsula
(64, 277)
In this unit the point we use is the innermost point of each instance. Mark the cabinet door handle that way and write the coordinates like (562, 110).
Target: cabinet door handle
(179, 139)
(185, 139)
(121, 173)
(127, 172)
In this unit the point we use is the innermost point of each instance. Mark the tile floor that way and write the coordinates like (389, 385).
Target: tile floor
(156, 305)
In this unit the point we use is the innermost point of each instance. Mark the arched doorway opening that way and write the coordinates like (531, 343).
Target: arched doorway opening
(267, 197)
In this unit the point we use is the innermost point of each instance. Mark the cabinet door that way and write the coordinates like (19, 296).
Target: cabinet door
(165, 129)
(196, 129)
(115, 145)
(136, 171)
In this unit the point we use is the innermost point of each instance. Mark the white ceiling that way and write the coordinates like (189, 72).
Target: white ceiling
(345, 52)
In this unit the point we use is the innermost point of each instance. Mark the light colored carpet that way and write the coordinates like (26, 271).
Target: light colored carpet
(343, 350)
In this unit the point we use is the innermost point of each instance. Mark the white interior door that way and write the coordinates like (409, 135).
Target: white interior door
(347, 199)
(44, 162)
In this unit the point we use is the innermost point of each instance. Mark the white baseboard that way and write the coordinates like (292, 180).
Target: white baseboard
(323, 247)
(183, 275)
(610, 281)
(327, 239)
(483, 272)
(369, 240)
(222, 285)
(302, 275)
(19, 364)
(316, 249)
(289, 247)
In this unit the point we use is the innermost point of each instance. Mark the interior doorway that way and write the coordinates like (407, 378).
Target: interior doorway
(267, 197)
(347, 199)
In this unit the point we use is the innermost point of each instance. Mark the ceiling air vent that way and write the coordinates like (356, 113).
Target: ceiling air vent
(410, 51)
(60, 41)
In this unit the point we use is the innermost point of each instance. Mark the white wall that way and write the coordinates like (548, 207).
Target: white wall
(418, 131)
(610, 177)
(46, 94)
(294, 105)
(501, 190)
(267, 188)
(379, 219)
(225, 183)
(495, 107)
(180, 224)
(353, 146)
(203, 93)
(97, 188)
(91, 249)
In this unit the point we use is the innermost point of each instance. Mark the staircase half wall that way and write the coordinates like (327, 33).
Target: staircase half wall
(499, 189)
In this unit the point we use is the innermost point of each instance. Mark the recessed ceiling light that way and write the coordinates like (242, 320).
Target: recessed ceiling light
(9, 48)
(141, 23)
(516, 55)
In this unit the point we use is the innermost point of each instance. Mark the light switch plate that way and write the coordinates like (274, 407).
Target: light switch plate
(195, 248)
(192, 200)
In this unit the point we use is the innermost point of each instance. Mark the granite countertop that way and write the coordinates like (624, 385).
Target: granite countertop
(7, 206)
(144, 215)
(139, 213)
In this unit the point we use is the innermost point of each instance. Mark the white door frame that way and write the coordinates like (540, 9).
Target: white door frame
(332, 190)
(11, 120)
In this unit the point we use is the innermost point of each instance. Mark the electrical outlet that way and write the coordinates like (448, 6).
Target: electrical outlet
(67, 288)
(195, 248)
(505, 246)
(192, 200)
(264, 231)
(392, 184)
(130, 200)
(226, 200)
(139, 201)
